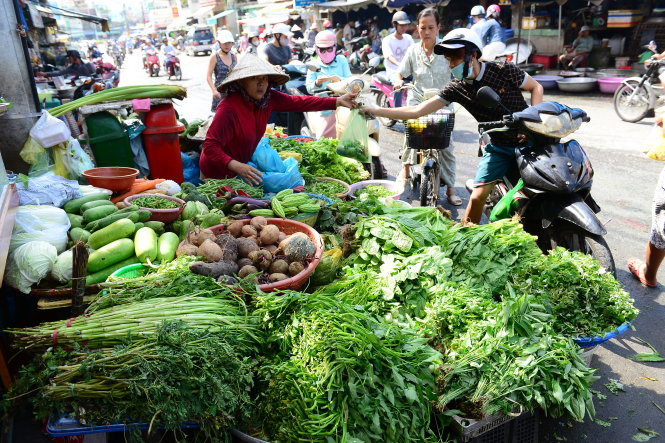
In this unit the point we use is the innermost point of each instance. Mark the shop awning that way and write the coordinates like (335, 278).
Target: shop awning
(343, 5)
(259, 21)
(203, 12)
(277, 12)
(213, 20)
(53, 10)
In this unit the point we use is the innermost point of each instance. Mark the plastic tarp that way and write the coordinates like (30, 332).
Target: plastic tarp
(351, 5)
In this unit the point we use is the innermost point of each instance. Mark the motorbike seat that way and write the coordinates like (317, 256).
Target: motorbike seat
(382, 78)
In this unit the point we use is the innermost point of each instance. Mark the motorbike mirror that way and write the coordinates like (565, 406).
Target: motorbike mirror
(312, 67)
(488, 97)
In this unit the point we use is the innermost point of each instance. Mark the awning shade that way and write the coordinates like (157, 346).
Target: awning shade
(52, 10)
(258, 21)
(212, 20)
(351, 5)
(202, 12)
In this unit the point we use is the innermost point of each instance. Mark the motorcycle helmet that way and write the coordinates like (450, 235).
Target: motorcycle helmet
(478, 10)
(225, 36)
(323, 41)
(281, 28)
(327, 24)
(401, 18)
(457, 39)
(493, 11)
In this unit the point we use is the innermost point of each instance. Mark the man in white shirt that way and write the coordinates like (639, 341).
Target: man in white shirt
(478, 17)
(394, 48)
(347, 34)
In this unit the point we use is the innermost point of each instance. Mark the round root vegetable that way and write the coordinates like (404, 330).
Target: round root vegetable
(211, 251)
(229, 246)
(186, 249)
(271, 248)
(279, 267)
(259, 223)
(282, 237)
(235, 228)
(244, 262)
(245, 246)
(261, 259)
(249, 231)
(298, 248)
(269, 235)
(278, 277)
(296, 268)
(214, 270)
(227, 280)
(198, 236)
(247, 270)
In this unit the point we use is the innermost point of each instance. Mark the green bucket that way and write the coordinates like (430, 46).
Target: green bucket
(130, 271)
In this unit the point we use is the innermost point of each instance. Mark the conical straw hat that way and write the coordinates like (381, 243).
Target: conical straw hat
(250, 65)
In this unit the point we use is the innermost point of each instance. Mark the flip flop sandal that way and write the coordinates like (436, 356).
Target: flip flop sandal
(634, 268)
(454, 200)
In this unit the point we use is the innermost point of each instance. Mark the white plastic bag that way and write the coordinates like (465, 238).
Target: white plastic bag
(75, 159)
(49, 131)
(29, 264)
(40, 223)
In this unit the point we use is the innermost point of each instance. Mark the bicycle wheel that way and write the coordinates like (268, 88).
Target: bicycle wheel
(429, 186)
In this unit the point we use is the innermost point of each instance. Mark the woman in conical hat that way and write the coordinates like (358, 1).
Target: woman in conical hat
(241, 118)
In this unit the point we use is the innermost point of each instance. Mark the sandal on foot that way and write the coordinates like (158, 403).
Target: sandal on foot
(454, 200)
(634, 266)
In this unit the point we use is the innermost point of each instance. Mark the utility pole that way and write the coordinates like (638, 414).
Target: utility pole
(143, 12)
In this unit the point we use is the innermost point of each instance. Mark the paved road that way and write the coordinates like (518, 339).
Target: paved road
(623, 186)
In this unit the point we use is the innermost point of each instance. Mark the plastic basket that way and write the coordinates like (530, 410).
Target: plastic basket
(67, 426)
(511, 428)
(587, 342)
(431, 131)
(289, 227)
(162, 215)
(130, 271)
(388, 184)
(345, 184)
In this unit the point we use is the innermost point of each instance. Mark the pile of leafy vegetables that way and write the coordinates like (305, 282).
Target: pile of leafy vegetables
(320, 158)
(180, 374)
(342, 374)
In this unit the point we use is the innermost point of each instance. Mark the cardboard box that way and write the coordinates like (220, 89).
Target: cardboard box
(623, 18)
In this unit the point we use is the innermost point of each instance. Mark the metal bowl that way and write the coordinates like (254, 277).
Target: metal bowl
(531, 68)
(569, 74)
(583, 84)
(547, 81)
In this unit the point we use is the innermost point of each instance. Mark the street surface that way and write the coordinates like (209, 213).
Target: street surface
(623, 187)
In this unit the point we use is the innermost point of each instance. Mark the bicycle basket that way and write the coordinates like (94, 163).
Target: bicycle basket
(432, 131)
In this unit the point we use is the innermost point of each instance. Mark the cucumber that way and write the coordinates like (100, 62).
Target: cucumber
(93, 214)
(75, 220)
(156, 226)
(101, 276)
(74, 206)
(144, 215)
(167, 245)
(77, 234)
(138, 226)
(145, 244)
(104, 222)
(110, 254)
(131, 208)
(95, 204)
(122, 228)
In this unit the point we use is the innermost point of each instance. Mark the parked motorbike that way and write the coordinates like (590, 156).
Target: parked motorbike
(151, 64)
(549, 185)
(383, 93)
(637, 96)
(173, 68)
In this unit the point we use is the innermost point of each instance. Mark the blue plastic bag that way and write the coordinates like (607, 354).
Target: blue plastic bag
(190, 169)
(278, 174)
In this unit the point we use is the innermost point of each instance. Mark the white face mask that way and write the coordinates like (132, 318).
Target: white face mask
(256, 43)
(284, 41)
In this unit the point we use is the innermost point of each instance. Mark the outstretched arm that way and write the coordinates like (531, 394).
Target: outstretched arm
(406, 112)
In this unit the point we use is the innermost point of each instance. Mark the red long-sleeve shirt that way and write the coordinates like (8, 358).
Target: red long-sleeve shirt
(238, 127)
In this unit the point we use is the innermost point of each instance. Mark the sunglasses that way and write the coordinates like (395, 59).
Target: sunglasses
(330, 49)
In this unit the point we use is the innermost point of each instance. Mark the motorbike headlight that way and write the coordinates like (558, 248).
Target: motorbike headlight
(552, 125)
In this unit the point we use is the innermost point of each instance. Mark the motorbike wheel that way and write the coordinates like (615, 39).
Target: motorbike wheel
(382, 101)
(573, 238)
(178, 73)
(637, 109)
(376, 169)
(429, 182)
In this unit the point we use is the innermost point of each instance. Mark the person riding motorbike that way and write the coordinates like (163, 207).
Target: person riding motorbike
(145, 48)
(169, 52)
(394, 48)
(333, 69)
(478, 17)
(493, 37)
(76, 67)
(93, 52)
(462, 49)
(279, 52)
(254, 42)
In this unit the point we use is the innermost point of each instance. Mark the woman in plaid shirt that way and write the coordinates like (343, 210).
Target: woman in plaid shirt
(461, 47)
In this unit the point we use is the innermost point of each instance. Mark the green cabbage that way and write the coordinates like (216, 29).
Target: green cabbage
(29, 263)
(40, 223)
(193, 209)
(63, 266)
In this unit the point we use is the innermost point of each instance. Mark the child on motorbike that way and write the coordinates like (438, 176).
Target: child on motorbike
(429, 72)
(461, 47)
(333, 69)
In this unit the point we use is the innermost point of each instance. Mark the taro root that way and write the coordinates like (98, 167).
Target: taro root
(296, 268)
(229, 246)
(198, 236)
(186, 249)
(249, 231)
(258, 223)
(269, 235)
(244, 262)
(210, 250)
(235, 228)
(214, 270)
(271, 248)
(245, 246)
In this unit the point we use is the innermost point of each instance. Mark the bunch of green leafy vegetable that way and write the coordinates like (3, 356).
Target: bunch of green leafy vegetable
(342, 374)
(327, 188)
(192, 127)
(179, 375)
(576, 289)
(352, 149)
(375, 191)
(514, 359)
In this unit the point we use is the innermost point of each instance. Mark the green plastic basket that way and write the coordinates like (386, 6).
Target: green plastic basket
(130, 271)
(308, 218)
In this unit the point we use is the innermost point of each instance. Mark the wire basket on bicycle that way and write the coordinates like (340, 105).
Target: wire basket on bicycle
(432, 131)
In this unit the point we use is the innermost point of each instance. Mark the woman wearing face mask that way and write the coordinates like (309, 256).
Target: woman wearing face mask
(220, 63)
(333, 69)
(430, 72)
(254, 42)
(241, 118)
(462, 48)
(279, 52)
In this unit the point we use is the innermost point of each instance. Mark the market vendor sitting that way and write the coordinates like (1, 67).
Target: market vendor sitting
(579, 51)
(77, 67)
(241, 118)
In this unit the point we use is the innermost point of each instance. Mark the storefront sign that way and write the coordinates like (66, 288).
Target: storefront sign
(304, 4)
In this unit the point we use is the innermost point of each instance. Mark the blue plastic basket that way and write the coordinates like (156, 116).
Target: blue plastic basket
(587, 342)
(321, 197)
(66, 426)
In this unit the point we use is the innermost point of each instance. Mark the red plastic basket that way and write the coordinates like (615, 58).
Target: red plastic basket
(162, 215)
(289, 227)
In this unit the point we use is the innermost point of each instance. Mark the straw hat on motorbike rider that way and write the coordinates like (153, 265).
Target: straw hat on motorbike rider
(430, 74)
(394, 48)
(493, 36)
(333, 69)
(220, 64)
(462, 49)
(241, 118)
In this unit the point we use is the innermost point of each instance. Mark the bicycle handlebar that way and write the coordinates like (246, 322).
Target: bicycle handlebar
(492, 125)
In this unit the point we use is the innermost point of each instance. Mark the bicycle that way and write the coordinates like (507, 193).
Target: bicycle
(428, 135)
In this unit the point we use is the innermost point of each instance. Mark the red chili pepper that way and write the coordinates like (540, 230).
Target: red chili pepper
(242, 193)
(299, 188)
(227, 188)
